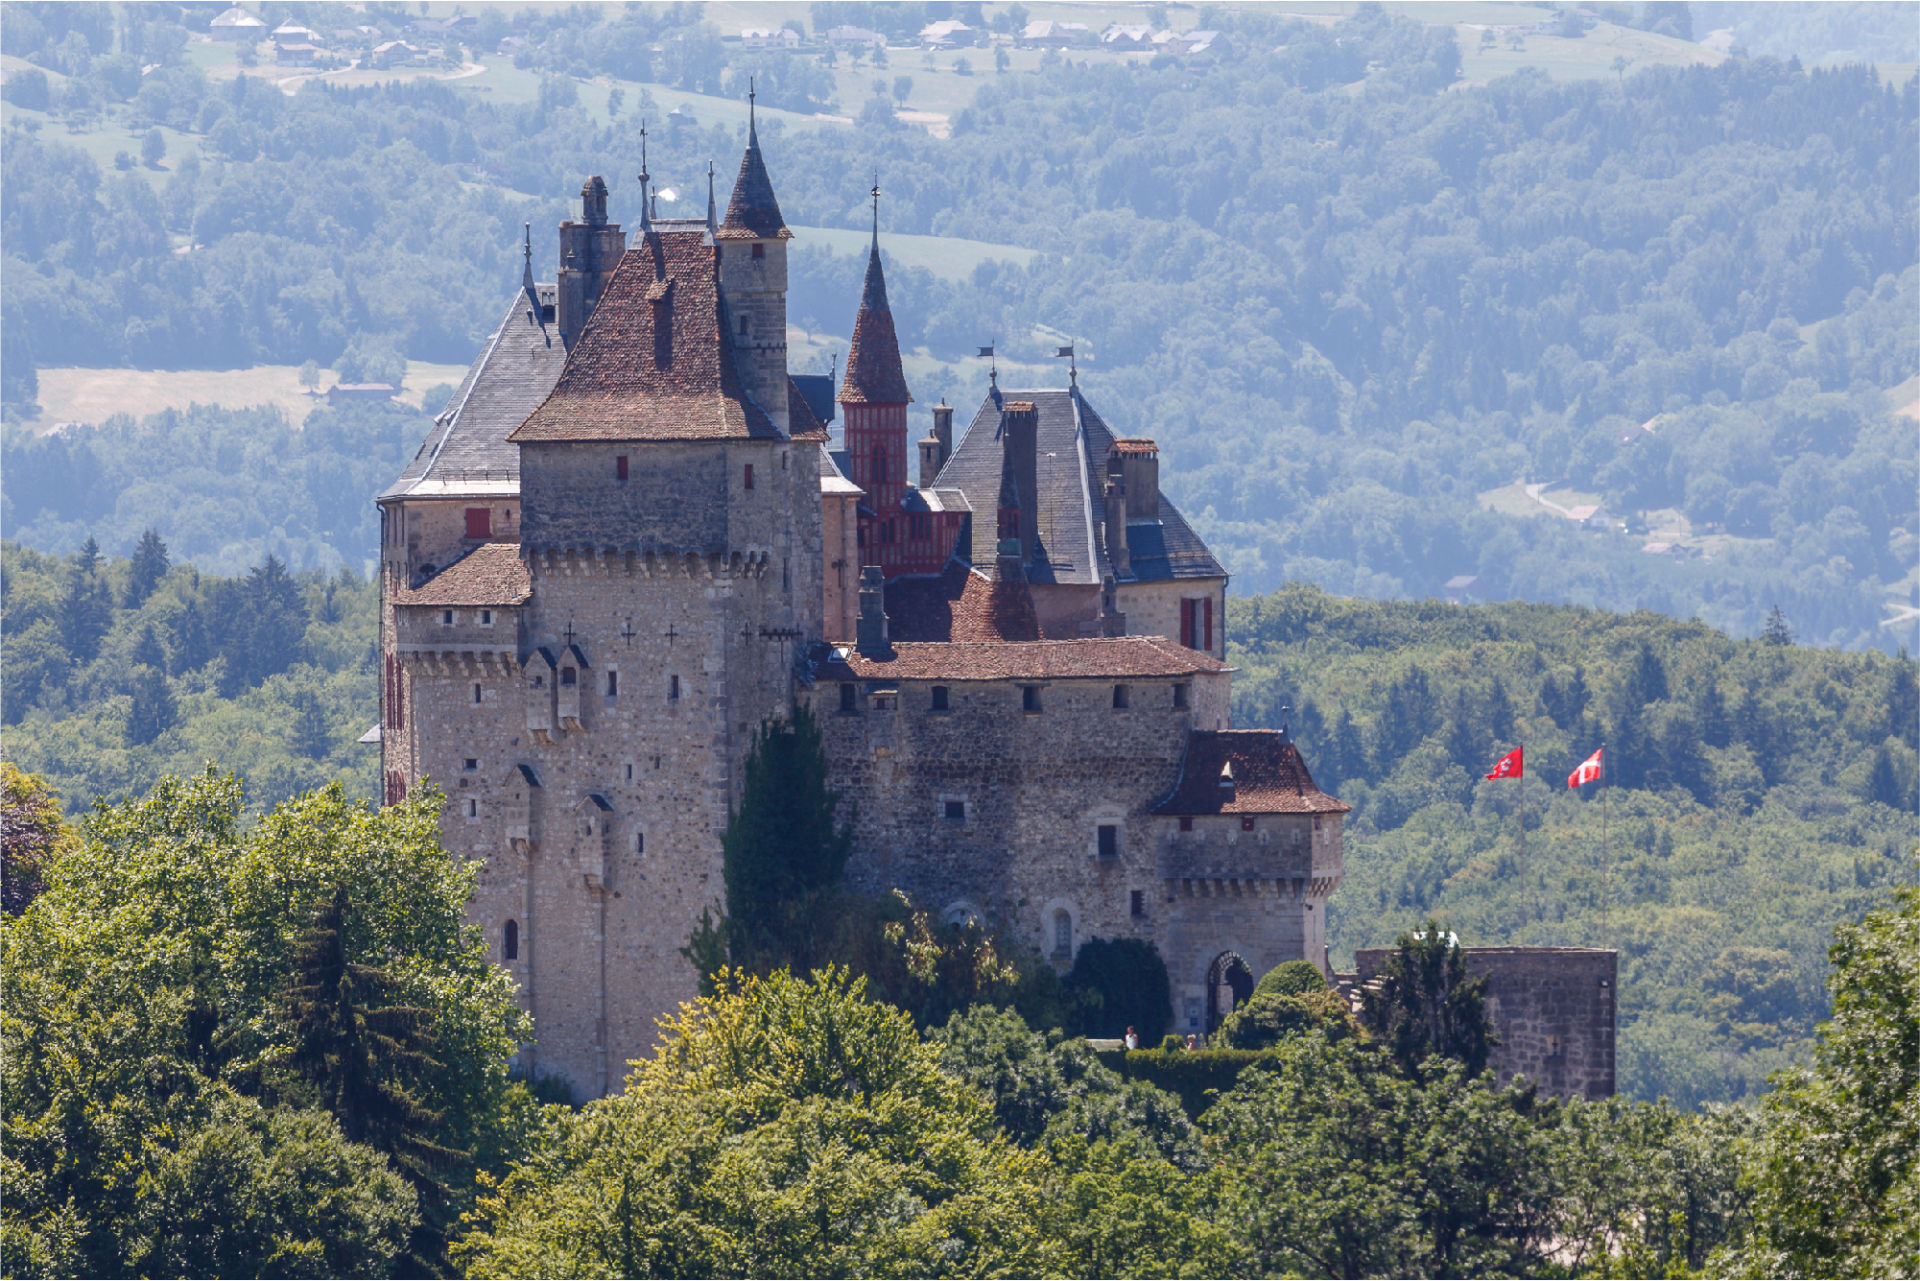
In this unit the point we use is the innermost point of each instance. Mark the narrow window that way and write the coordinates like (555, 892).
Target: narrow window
(620, 467)
(613, 684)
(1029, 698)
(446, 618)
(749, 476)
(511, 944)
(1186, 622)
(743, 323)
(486, 618)
(956, 811)
(673, 688)
(759, 251)
(471, 764)
(1109, 840)
(847, 696)
(476, 691)
(1119, 698)
(1137, 903)
(639, 842)
(939, 698)
(1206, 610)
(569, 677)
(629, 771)
(479, 522)
(473, 808)
(1186, 822)
(1180, 694)
(1062, 932)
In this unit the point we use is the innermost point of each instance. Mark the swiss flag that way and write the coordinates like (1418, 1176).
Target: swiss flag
(1509, 766)
(1590, 770)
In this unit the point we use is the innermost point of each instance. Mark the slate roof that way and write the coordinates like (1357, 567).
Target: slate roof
(959, 604)
(1108, 658)
(1268, 774)
(653, 362)
(832, 479)
(490, 574)
(874, 376)
(802, 422)
(752, 211)
(467, 454)
(1072, 533)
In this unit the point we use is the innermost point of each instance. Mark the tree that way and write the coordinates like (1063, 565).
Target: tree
(31, 834)
(1853, 1116)
(150, 564)
(786, 1127)
(1121, 983)
(902, 89)
(84, 614)
(89, 559)
(153, 147)
(154, 711)
(310, 733)
(616, 99)
(1423, 1003)
(310, 370)
(1776, 632)
(1293, 999)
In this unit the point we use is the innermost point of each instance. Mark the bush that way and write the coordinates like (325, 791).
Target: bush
(1271, 1016)
(1292, 978)
(1197, 1077)
(1121, 983)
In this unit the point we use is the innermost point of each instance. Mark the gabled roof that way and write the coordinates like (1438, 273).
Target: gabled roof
(802, 422)
(752, 211)
(874, 375)
(1246, 771)
(653, 362)
(1107, 658)
(1072, 534)
(490, 574)
(467, 454)
(959, 604)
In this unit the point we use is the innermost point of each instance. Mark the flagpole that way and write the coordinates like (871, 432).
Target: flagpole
(1525, 890)
(1606, 851)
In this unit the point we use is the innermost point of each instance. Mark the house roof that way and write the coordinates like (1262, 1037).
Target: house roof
(1106, 658)
(874, 375)
(752, 211)
(832, 479)
(1265, 771)
(1072, 534)
(237, 17)
(959, 604)
(802, 422)
(490, 574)
(467, 452)
(653, 362)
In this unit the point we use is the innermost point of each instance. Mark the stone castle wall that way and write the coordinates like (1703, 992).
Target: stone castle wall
(1553, 1009)
(1153, 608)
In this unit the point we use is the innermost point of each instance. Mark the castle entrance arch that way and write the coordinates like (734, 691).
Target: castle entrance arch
(1229, 984)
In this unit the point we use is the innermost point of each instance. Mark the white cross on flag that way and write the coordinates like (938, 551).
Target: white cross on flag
(1590, 770)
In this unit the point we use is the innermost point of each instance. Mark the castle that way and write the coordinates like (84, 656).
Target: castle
(627, 542)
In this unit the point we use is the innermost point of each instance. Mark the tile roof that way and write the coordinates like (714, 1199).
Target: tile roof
(874, 376)
(490, 574)
(466, 453)
(1107, 658)
(802, 422)
(1268, 777)
(653, 362)
(753, 213)
(959, 604)
(1071, 529)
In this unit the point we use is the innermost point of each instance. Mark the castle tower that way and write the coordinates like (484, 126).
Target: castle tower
(873, 401)
(589, 251)
(751, 246)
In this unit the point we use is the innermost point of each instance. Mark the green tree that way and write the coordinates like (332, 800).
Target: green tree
(154, 710)
(1423, 1003)
(153, 148)
(786, 1127)
(1121, 983)
(1853, 1117)
(1270, 1016)
(1776, 632)
(85, 613)
(31, 834)
(149, 565)
(310, 733)
(902, 89)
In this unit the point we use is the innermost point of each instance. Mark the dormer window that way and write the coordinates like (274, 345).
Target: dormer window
(569, 677)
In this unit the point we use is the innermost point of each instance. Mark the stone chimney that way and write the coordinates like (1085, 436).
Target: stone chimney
(870, 630)
(1140, 469)
(937, 446)
(1112, 621)
(1116, 513)
(589, 251)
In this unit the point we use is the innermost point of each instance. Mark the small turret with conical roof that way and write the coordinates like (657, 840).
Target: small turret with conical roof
(873, 401)
(751, 244)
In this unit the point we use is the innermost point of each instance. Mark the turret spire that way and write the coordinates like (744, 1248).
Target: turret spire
(646, 211)
(752, 211)
(526, 256)
(874, 375)
(712, 223)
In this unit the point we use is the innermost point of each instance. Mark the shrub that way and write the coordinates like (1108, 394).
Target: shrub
(1121, 983)
(1292, 978)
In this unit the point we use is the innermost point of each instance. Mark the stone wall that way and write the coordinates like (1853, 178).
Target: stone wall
(755, 290)
(1553, 1009)
(1153, 608)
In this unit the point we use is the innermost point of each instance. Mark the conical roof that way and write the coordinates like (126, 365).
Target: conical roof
(874, 375)
(752, 211)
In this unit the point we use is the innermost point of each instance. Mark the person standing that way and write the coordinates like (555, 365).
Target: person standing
(1133, 1040)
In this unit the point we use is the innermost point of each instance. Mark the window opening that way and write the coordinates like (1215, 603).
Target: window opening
(476, 691)
(1109, 840)
(473, 808)
(1246, 822)
(486, 618)
(1062, 932)
(1186, 823)
(569, 677)
(847, 696)
(673, 688)
(471, 764)
(939, 703)
(956, 811)
(620, 467)
(1029, 698)
(759, 251)
(446, 618)
(639, 842)
(1119, 698)
(510, 945)
(1137, 903)
(1180, 694)
(613, 684)
(749, 476)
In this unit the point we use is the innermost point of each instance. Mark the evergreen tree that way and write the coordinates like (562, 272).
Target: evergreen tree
(154, 710)
(361, 1048)
(89, 561)
(1423, 1003)
(147, 651)
(310, 733)
(84, 613)
(1776, 631)
(188, 642)
(150, 565)
(275, 631)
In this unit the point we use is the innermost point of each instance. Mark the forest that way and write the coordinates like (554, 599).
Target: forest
(1347, 301)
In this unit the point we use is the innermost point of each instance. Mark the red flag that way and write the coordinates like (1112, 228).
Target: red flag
(1509, 766)
(1590, 769)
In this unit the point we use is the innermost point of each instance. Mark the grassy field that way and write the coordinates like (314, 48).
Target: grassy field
(1590, 57)
(95, 395)
(947, 257)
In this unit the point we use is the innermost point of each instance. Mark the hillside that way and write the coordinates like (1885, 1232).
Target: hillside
(1350, 288)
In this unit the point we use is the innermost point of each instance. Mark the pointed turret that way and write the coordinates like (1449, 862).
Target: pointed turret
(874, 375)
(750, 248)
(752, 211)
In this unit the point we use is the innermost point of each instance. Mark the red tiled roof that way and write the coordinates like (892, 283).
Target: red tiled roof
(874, 376)
(490, 574)
(960, 604)
(1135, 445)
(802, 422)
(1269, 777)
(1107, 658)
(653, 362)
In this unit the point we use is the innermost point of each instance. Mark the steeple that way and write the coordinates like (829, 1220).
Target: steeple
(712, 223)
(752, 211)
(646, 211)
(526, 266)
(874, 375)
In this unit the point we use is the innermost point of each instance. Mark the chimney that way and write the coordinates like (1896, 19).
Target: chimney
(589, 251)
(1140, 469)
(1019, 435)
(929, 460)
(943, 429)
(1112, 621)
(870, 632)
(1116, 496)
